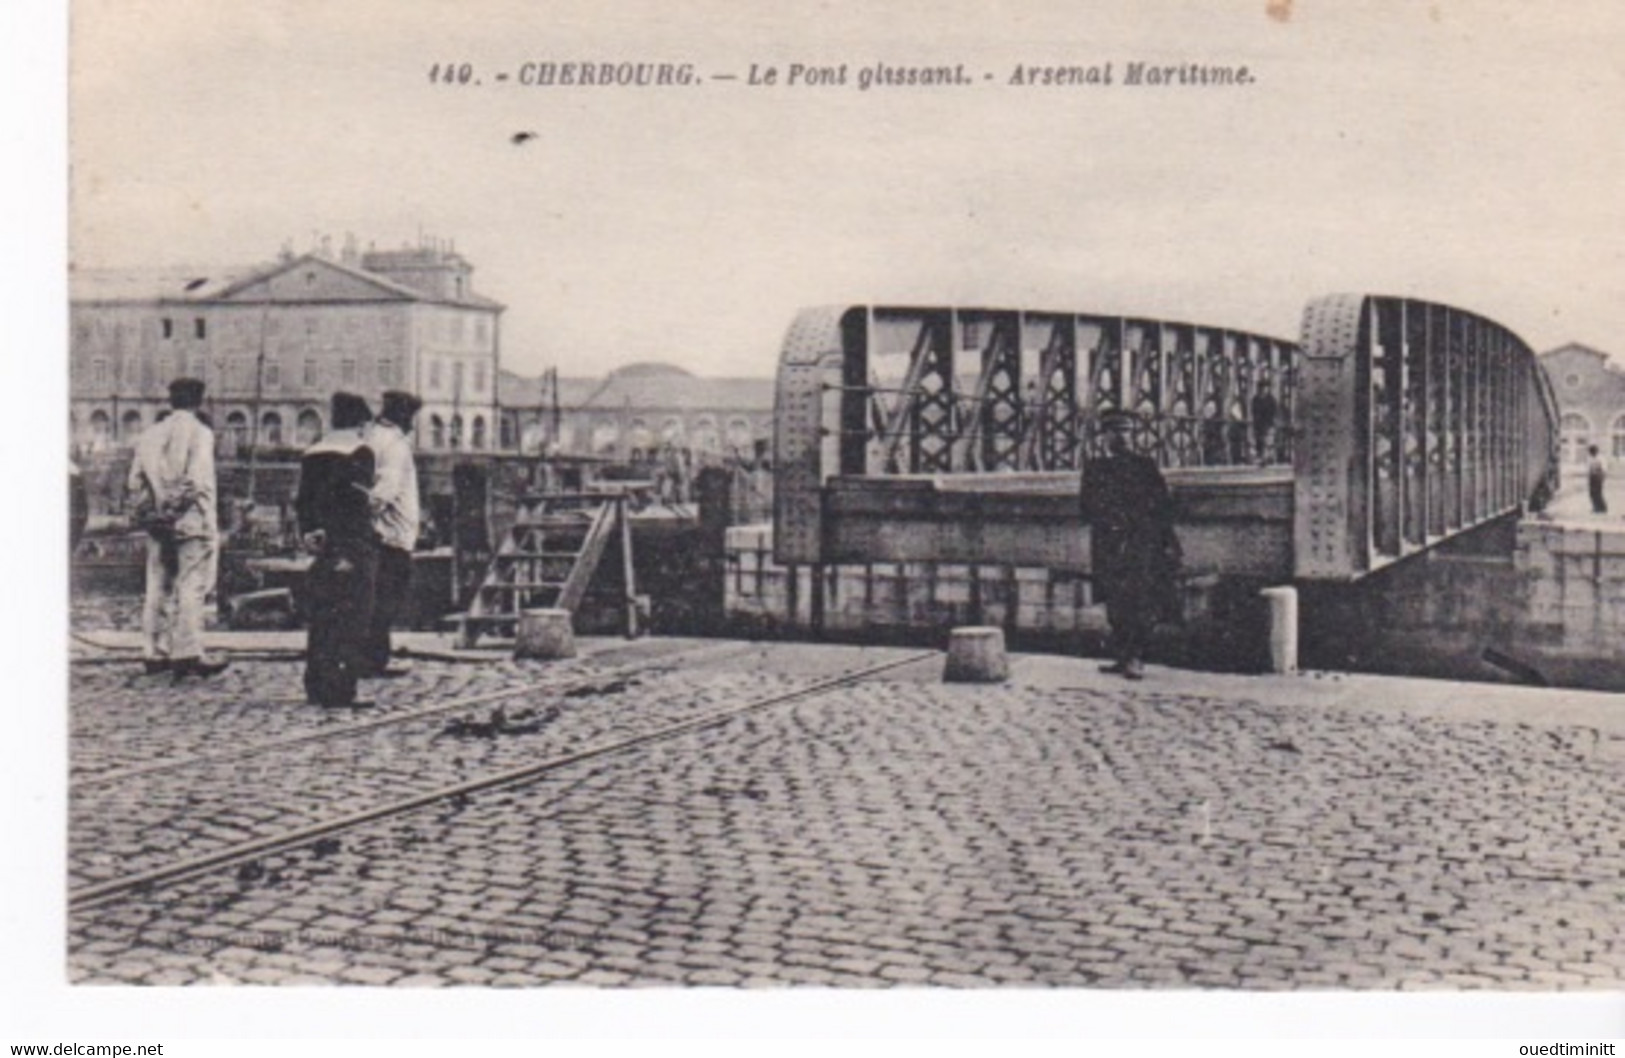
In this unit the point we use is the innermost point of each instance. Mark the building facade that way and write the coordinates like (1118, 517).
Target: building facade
(1591, 400)
(273, 343)
(636, 411)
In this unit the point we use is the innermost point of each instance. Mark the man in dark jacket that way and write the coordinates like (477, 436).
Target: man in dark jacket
(1132, 548)
(335, 521)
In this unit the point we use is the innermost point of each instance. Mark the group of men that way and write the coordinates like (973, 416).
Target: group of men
(358, 513)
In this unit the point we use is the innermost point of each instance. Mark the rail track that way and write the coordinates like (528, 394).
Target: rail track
(361, 727)
(140, 883)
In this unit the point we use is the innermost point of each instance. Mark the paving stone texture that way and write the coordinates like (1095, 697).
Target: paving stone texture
(1064, 829)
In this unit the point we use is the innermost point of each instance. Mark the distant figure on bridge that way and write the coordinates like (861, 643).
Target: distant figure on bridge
(1134, 554)
(1265, 412)
(1596, 476)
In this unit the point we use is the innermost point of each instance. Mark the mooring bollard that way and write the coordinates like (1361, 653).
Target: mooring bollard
(544, 634)
(1283, 628)
(976, 655)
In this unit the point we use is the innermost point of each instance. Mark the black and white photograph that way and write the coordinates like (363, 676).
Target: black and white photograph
(720, 501)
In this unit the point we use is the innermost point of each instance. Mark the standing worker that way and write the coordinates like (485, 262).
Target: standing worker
(395, 519)
(335, 522)
(1265, 411)
(1596, 476)
(1134, 555)
(172, 477)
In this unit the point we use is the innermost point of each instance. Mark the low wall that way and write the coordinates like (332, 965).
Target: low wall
(1514, 601)
(1224, 621)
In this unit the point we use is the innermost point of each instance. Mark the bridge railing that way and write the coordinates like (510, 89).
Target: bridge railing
(1417, 421)
(886, 390)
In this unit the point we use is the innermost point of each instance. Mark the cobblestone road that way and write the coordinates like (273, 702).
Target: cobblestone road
(1064, 829)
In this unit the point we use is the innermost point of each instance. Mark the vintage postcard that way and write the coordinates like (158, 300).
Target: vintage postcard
(957, 498)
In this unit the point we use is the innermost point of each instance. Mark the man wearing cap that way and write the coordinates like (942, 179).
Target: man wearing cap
(394, 502)
(335, 523)
(1133, 551)
(173, 484)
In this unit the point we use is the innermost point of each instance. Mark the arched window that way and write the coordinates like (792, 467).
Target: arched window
(477, 440)
(739, 435)
(131, 425)
(309, 427)
(457, 431)
(271, 429)
(705, 437)
(508, 431)
(604, 435)
(236, 431)
(437, 432)
(101, 428)
(1617, 434)
(671, 431)
(638, 435)
(1576, 431)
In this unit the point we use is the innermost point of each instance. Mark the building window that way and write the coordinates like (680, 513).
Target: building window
(434, 374)
(482, 331)
(131, 425)
(1617, 432)
(479, 377)
(437, 432)
(347, 372)
(98, 372)
(457, 377)
(508, 431)
(167, 326)
(236, 431)
(101, 428)
(273, 375)
(271, 428)
(199, 328)
(458, 281)
(309, 427)
(478, 438)
(311, 373)
(456, 431)
(386, 372)
(1576, 433)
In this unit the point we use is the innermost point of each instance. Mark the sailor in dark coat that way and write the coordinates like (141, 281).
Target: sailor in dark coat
(335, 521)
(1133, 551)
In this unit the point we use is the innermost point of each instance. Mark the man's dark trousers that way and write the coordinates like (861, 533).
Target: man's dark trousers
(391, 599)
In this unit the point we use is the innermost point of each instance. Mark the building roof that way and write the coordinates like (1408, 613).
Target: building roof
(177, 283)
(643, 387)
(200, 286)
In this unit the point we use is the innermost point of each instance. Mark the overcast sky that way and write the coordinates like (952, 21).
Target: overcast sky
(1466, 154)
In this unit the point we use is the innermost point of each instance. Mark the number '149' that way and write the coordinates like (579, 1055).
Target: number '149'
(451, 73)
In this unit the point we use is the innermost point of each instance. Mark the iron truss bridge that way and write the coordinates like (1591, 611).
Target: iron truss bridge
(956, 435)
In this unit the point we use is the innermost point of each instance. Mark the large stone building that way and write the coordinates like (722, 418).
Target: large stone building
(274, 342)
(1591, 398)
(637, 410)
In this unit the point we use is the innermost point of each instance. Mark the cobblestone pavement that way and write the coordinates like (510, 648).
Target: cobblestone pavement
(1065, 829)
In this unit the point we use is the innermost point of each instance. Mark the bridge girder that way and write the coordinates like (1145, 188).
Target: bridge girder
(1403, 421)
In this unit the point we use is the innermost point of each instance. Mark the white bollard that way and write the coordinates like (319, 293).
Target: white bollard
(544, 634)
(976, 655)
(1283, 628)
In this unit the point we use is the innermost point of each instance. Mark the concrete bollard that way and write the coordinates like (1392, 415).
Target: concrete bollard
(1283, 628)
(544, 634)
(976, 655)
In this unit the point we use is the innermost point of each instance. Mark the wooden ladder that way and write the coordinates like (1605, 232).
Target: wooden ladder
(546, 561)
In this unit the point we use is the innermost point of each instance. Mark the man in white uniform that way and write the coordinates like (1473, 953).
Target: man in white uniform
(395, 516)
(172, 478)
